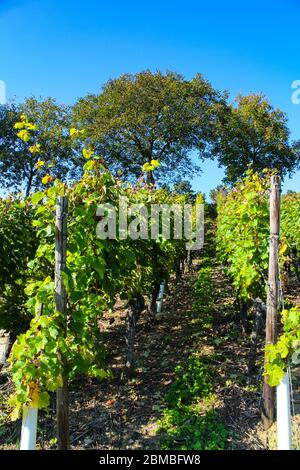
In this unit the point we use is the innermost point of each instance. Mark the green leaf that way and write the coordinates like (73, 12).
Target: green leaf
(37, 197)
(275, 374)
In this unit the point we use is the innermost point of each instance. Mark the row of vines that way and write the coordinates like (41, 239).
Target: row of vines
(97, 273)
(243, 248)
(51, 348)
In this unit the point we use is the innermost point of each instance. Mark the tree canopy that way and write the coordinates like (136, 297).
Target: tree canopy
(18, 158)
(139, 120)
(255, 134)
(151, 116)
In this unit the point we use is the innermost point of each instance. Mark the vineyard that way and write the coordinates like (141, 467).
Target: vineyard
(119, 332)
(137, 343)
(149, 233)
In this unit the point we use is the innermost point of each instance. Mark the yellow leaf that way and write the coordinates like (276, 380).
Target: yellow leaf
(283, 248)
(14, 415)
(147, 167)
(40, 164)
(30, 126)
(35, 148)
(155, 163)
(47, 179)
(33, 394)
(75, 132)
(19, 125)
(151, 166)
(87, 153)
(16, 405)
(24, 135)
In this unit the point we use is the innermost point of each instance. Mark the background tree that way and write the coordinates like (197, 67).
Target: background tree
(185, 187)
(213, 194)
(256, 134)
(138, 118)
(18, 170)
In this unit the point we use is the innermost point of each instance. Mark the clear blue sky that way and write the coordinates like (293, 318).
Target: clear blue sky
(67, 48)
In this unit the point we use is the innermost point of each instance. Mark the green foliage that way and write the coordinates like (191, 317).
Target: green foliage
(203, 288)
(189, 420)
(214, 193)
(243, 234)
(151, 116)
(189, 429)
(286, 349)
(18, 245)
(256, 134)
(192, 382)
(97, 271)
(185, 187)
(19, 169)
(290, 228)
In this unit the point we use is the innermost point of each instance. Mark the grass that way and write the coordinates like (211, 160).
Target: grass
(190, 421)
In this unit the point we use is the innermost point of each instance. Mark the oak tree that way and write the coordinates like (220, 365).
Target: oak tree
(152, 116)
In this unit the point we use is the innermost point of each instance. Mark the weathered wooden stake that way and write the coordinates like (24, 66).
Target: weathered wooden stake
(268, 402)
(62, 394)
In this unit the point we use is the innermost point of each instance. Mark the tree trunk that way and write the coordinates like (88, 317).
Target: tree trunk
(150, 177)
(183, 265)
(135, 307)
(154, 297)
(189, 259)
(178, 269)
(62, 413)
(243, 307)
(260, 311)
(4, 346)
(28, 186)
(167, 288)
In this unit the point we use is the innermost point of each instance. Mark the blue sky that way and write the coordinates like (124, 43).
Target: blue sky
(66, 49)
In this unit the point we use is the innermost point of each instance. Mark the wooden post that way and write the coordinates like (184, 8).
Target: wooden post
(62, 394)
(268, 401)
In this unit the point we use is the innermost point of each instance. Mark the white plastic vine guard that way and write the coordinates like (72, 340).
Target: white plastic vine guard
(29, 428)
(160, 298)
(284, 434)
